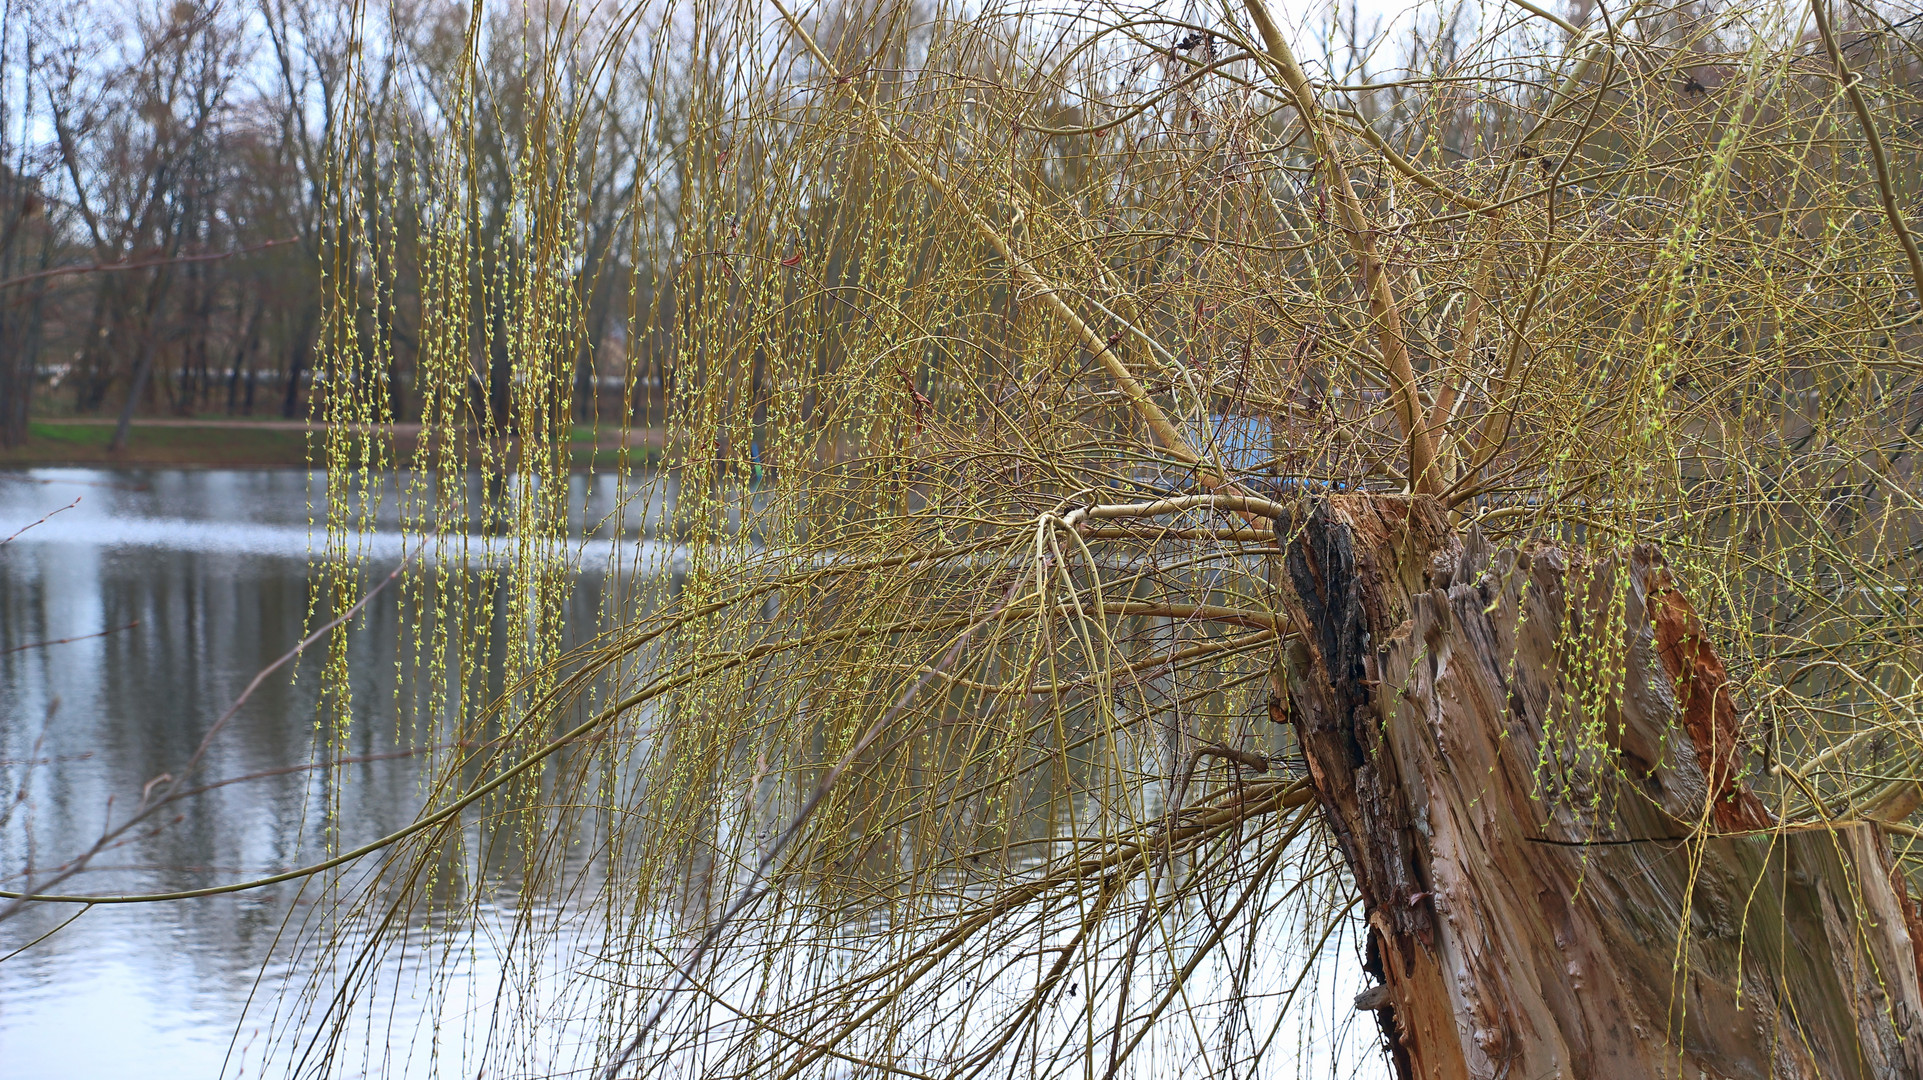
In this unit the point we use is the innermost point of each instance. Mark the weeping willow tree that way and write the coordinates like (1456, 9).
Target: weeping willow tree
(1157, 531)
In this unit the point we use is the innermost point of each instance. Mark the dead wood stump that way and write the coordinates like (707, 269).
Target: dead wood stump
(1532, 769)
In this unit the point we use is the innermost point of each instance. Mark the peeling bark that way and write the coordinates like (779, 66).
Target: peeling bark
(1562, 868)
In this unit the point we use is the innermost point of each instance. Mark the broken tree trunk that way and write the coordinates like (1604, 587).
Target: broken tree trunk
(1531, 766)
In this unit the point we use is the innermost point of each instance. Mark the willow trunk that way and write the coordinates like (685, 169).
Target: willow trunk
(1531, 763)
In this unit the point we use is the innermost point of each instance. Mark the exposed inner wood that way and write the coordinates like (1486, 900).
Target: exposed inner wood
(1531, 764)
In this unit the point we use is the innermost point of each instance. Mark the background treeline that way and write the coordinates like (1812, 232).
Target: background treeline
(177, 176)
(166, 170)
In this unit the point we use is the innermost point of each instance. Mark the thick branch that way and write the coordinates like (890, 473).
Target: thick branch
(1145, 407)
(1390, 342)
(1879, 158)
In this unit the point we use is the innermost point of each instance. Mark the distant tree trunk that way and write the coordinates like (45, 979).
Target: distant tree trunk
(20, 366)
(20, 345)
(200, 343)
(144, 362)
(93, 374)
(296, 364)
(1561, 882)
(143, 370)
(244, 354)
(16, 383)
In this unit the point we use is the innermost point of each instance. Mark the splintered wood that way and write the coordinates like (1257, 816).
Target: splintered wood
(1532, 766)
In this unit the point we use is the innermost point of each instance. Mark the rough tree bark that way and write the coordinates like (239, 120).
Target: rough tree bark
(1553, 898)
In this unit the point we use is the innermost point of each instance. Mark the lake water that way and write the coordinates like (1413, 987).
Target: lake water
(132, 612)
(169, 591)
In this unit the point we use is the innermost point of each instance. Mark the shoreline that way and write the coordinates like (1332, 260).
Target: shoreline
(190, 443)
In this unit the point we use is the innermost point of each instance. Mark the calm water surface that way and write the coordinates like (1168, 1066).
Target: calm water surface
(177, 586)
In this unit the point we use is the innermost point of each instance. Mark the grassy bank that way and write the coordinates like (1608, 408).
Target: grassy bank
(217, 444)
